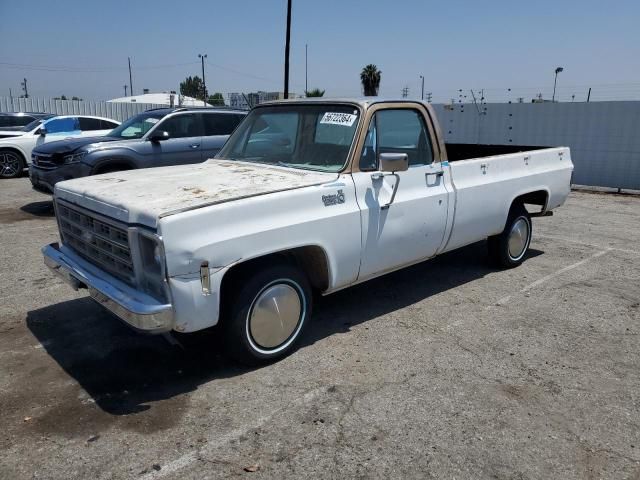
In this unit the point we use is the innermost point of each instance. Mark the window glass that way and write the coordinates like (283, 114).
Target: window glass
(312, 137)
(181, 126)
(62, 125)
(403, 131)
(87, 124)
(107, 125)
(369, 155)
(137, 126)
(220, 123)
(15, 121)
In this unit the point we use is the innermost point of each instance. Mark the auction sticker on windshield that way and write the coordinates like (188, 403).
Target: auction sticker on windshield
(336, 118)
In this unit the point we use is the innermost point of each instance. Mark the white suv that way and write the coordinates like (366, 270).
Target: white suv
(15, 152)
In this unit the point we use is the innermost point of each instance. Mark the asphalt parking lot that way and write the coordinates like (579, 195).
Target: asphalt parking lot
(449, 369)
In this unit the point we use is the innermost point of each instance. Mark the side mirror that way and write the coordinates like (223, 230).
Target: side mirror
(390, 163)
(42, 131)
(159, 136)
(393, 162)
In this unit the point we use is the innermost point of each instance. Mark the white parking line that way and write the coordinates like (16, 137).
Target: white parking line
(546, 278)
(216, 441)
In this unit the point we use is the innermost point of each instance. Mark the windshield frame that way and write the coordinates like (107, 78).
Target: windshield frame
(124, 125)
(298, 103)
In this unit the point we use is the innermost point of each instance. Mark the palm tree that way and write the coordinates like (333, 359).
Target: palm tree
(316, 92)
(370, 78)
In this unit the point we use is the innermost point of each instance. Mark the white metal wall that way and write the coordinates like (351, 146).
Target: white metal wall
(604, 137)
(114, 110)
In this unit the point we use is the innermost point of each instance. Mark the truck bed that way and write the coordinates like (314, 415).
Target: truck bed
(486, 186)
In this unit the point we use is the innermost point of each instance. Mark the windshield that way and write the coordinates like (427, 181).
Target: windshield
(31, 125)
(136, 126)
(312, 137)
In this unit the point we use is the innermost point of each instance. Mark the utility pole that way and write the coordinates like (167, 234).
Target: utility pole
(405, 92)
(130, 77)
(589, 95)
(204, 83)
(286, 51)
(24, 88)
(306, 69)
(125, 90)
(429, 97)
(422, 94)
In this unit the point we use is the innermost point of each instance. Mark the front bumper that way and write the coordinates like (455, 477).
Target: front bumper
(45, 179)
(137, 309)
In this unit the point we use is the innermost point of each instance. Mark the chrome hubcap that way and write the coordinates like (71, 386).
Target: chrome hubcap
(9, 164)
(518, 238)
(275, 315)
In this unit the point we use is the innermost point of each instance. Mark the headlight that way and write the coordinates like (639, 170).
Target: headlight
(73, 158)
(152, 276)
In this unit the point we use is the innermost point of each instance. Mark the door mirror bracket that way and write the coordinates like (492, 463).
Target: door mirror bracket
(389, 164)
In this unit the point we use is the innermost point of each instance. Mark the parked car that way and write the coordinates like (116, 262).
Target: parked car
(13, 124)
(11, 132)
(155, 138)
(15, 152)
(306, 195)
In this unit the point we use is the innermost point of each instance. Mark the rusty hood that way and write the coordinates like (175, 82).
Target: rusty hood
(144, 196)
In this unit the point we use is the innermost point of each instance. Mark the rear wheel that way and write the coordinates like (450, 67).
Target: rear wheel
(268, 314)
(11, 164)
(509, 248)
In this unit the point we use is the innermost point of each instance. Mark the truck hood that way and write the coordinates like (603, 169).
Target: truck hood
(71, 145)
(144, 196)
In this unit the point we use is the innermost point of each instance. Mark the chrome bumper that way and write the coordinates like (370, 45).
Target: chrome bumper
(137, 309)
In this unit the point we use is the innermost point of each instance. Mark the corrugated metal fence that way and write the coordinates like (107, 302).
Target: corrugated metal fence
(604, 137)
(116, 111)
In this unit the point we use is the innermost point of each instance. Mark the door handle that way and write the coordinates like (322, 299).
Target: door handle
(195, 145)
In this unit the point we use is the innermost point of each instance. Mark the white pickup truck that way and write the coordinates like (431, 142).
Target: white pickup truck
(306, 196)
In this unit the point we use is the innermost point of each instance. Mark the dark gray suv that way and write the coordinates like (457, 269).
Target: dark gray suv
(155, 138)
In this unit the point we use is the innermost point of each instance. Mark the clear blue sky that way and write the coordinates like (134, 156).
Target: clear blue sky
(81, 47)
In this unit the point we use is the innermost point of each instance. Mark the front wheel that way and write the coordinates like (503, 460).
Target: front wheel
(509, 248)
(268, 314)
(11, 164)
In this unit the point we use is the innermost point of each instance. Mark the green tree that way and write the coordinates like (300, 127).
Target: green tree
(370, 78)
(316, 92)
(76, 98)
(61, 97)
(192, 87)
(216, 99)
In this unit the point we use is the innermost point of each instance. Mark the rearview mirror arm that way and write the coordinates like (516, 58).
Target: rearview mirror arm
(380, 176)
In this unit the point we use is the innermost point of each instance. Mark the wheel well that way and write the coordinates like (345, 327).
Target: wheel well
(112, 166)
(311, 259)
(539, 197)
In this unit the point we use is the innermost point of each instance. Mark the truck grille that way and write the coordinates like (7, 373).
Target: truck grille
(97, 241)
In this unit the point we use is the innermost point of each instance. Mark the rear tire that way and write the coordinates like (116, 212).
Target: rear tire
(509, 248)
(12, 163)
(268, 314)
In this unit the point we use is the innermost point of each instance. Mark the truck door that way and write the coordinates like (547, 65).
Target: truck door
(413, 226)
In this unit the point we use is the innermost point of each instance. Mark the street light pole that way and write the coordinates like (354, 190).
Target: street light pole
(306, 69)
(204, 83)
(286, 51)
(558, 70)
(422, 94)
